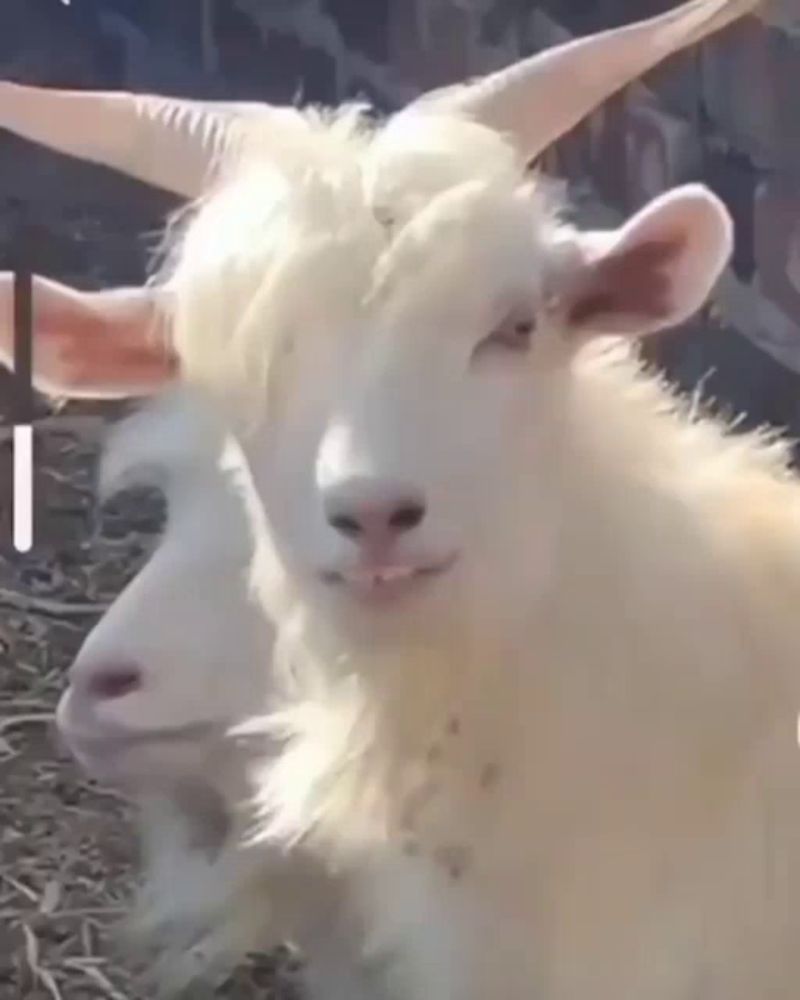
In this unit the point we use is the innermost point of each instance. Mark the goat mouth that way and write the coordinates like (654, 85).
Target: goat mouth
(386, 581)
(103, 751)
(117, 735)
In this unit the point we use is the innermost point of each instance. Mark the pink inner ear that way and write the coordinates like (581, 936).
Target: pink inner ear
(82, 346)
(630, 283)
(93, 343)
(90, 353)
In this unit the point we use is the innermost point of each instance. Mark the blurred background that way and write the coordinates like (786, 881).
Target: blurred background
(725, 113)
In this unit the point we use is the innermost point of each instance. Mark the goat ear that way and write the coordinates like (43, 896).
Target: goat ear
(93, 345)
(655, 271)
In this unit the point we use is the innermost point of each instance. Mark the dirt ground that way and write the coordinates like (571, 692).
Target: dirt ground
(67, 853)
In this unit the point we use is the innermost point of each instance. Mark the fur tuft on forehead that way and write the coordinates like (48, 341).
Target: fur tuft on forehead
(300, 233)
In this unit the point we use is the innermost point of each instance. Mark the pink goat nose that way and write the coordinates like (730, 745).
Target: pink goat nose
(373, 511)
(112, 681)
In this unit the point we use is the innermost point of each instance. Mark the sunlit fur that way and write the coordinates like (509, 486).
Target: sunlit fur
(568, 768)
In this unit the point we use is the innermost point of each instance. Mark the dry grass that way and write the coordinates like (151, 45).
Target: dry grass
(67, 853)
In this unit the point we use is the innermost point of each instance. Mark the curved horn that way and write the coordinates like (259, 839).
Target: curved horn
(169, 143)
(539, 99)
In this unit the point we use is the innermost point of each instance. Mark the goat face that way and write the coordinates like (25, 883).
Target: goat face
(399, 447)
(182, 653)
(411, 466)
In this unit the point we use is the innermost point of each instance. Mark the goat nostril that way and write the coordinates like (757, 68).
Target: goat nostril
(345, 525)
(372, 511)
(407, 517)
(114, 683)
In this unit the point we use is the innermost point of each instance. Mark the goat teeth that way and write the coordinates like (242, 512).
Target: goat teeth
(394, 573)
(373, 578)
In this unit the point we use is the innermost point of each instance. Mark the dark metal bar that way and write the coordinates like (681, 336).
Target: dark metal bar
(23, 323)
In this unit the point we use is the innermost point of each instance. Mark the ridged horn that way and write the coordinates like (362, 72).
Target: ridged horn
(539, 99)
(167, 142)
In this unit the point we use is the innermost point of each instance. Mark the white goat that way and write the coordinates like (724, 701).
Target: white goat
(180, 656)
(547, 624)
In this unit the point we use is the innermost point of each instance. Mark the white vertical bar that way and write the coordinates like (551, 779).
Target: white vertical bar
(23, 487)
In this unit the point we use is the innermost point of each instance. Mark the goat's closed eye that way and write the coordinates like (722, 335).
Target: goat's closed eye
(514, 334)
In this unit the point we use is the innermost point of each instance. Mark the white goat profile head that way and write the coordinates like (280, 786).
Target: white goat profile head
(180, 654)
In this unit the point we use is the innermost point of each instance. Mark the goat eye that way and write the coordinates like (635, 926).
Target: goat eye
(522, 330)
(514, 334)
